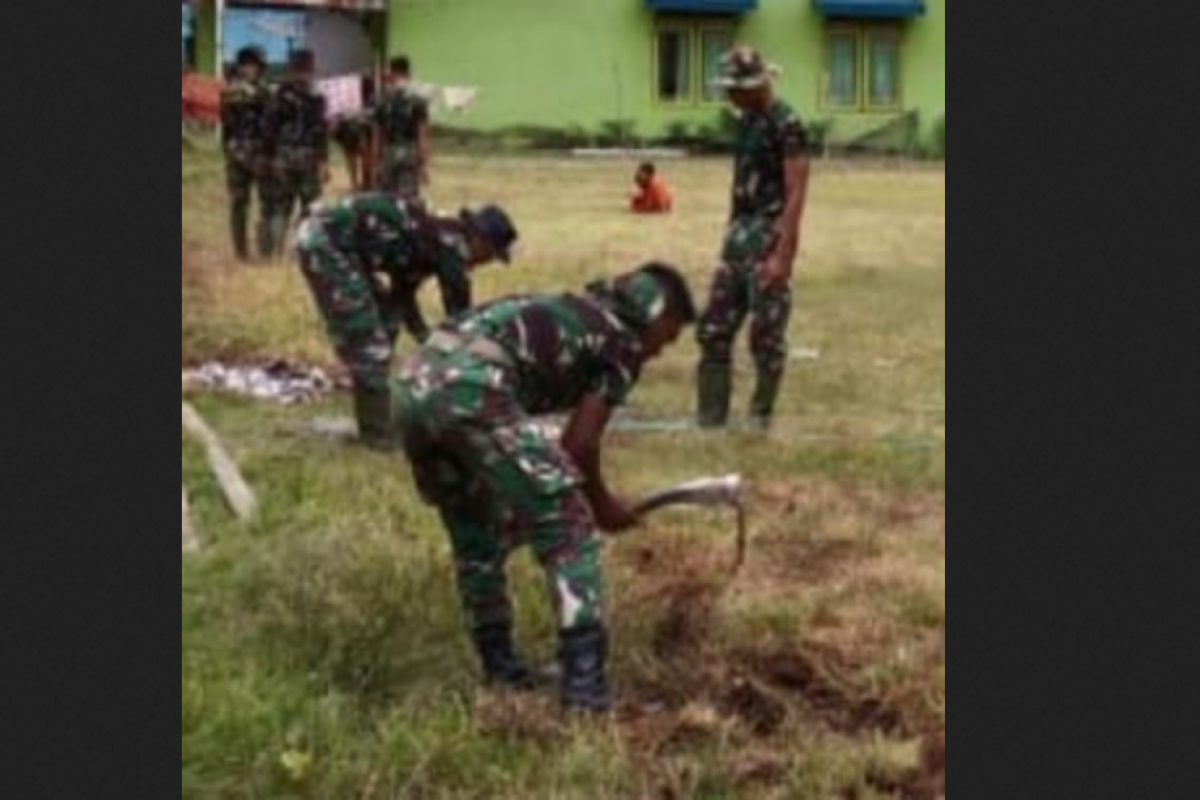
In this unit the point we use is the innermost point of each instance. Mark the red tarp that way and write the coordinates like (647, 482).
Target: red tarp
(201, 99)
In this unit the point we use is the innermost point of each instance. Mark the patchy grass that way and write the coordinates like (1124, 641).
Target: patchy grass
(323, 655)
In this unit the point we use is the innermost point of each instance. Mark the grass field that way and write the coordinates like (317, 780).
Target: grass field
(323, 652)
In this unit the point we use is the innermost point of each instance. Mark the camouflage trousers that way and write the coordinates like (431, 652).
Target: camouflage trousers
(242, 174)
(353, 135)
(738, 296)
(294, 185)
(500, 483)
(400, 173)
(357, 320)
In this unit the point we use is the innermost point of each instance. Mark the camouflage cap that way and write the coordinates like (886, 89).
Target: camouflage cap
(497, 227)
(637, 299)
(745, 68)
(643, 293)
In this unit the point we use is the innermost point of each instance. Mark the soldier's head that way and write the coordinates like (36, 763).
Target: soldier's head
(400, 70)
(491, 234)
(303, 65)
(748, 79)
(655, 300)
(251, 63)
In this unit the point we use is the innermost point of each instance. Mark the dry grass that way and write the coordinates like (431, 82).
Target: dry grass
(322, 652)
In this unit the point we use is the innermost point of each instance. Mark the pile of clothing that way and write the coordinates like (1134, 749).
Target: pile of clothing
(281, 382)
(344, 96)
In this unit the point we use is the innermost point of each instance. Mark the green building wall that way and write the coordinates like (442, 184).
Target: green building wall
(584, 63)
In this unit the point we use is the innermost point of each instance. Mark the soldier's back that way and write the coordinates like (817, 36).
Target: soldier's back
(563, 345)
(400, 114)
(299, 116)
(244, 109)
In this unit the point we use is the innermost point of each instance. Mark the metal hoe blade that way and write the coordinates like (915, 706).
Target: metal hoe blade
(724, 492)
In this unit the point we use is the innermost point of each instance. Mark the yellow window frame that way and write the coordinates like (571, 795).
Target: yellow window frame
(689, 35)
(854, 32)
(702, 32)
(695, 34)
(871, 34)
(864, 36)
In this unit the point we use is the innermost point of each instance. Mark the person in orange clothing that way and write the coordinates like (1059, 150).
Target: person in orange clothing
(654, 196)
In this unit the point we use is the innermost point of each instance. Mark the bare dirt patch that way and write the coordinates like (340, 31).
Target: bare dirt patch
(709, 683)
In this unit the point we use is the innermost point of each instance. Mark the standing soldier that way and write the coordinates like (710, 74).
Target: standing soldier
(763, 241)
(347, 249)
(244, 107)
(300, 134)
(466, 405)
(354, 134)
(403, 140)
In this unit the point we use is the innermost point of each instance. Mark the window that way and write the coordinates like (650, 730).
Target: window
(863, 69)
(688, 60)
(715, 44)
(674, 66)
(884, 58)
(843, 91)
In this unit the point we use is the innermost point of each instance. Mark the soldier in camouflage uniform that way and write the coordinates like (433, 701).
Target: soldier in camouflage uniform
(244, 105)
(365, 259)
(762, 243)
(354, 133)
(466, 405)
(300, 134)
(402, 135)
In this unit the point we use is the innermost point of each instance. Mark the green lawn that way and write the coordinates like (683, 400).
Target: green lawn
(323, 652)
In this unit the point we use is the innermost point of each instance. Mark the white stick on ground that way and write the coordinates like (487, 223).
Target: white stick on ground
(238, 493)
(191, 541)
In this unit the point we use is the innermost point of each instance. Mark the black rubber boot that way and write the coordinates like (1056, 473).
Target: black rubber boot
(502, 667)
(239, 233)
(266, 246)
(766, 396)
(274, 237)
(373, 411)
(715, 394)
(584, 658)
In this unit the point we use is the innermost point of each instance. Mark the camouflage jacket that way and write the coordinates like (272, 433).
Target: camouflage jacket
(296, 122)
(410, 246)
(353, 131)
(244, 109)
(400, 115)
(765, 143)
(563, 348)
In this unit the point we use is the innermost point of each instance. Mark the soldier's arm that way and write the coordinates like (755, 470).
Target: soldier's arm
(322, 136)
(583, 442)
(226, 118)
(424, 141)
(408, 308)
(368, 154)
(798, 171)
(794, 143)
(271, 122)
(377, 135)
(454, 280)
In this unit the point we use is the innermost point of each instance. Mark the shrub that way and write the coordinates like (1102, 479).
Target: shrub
(939, 139)
(618, 133)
